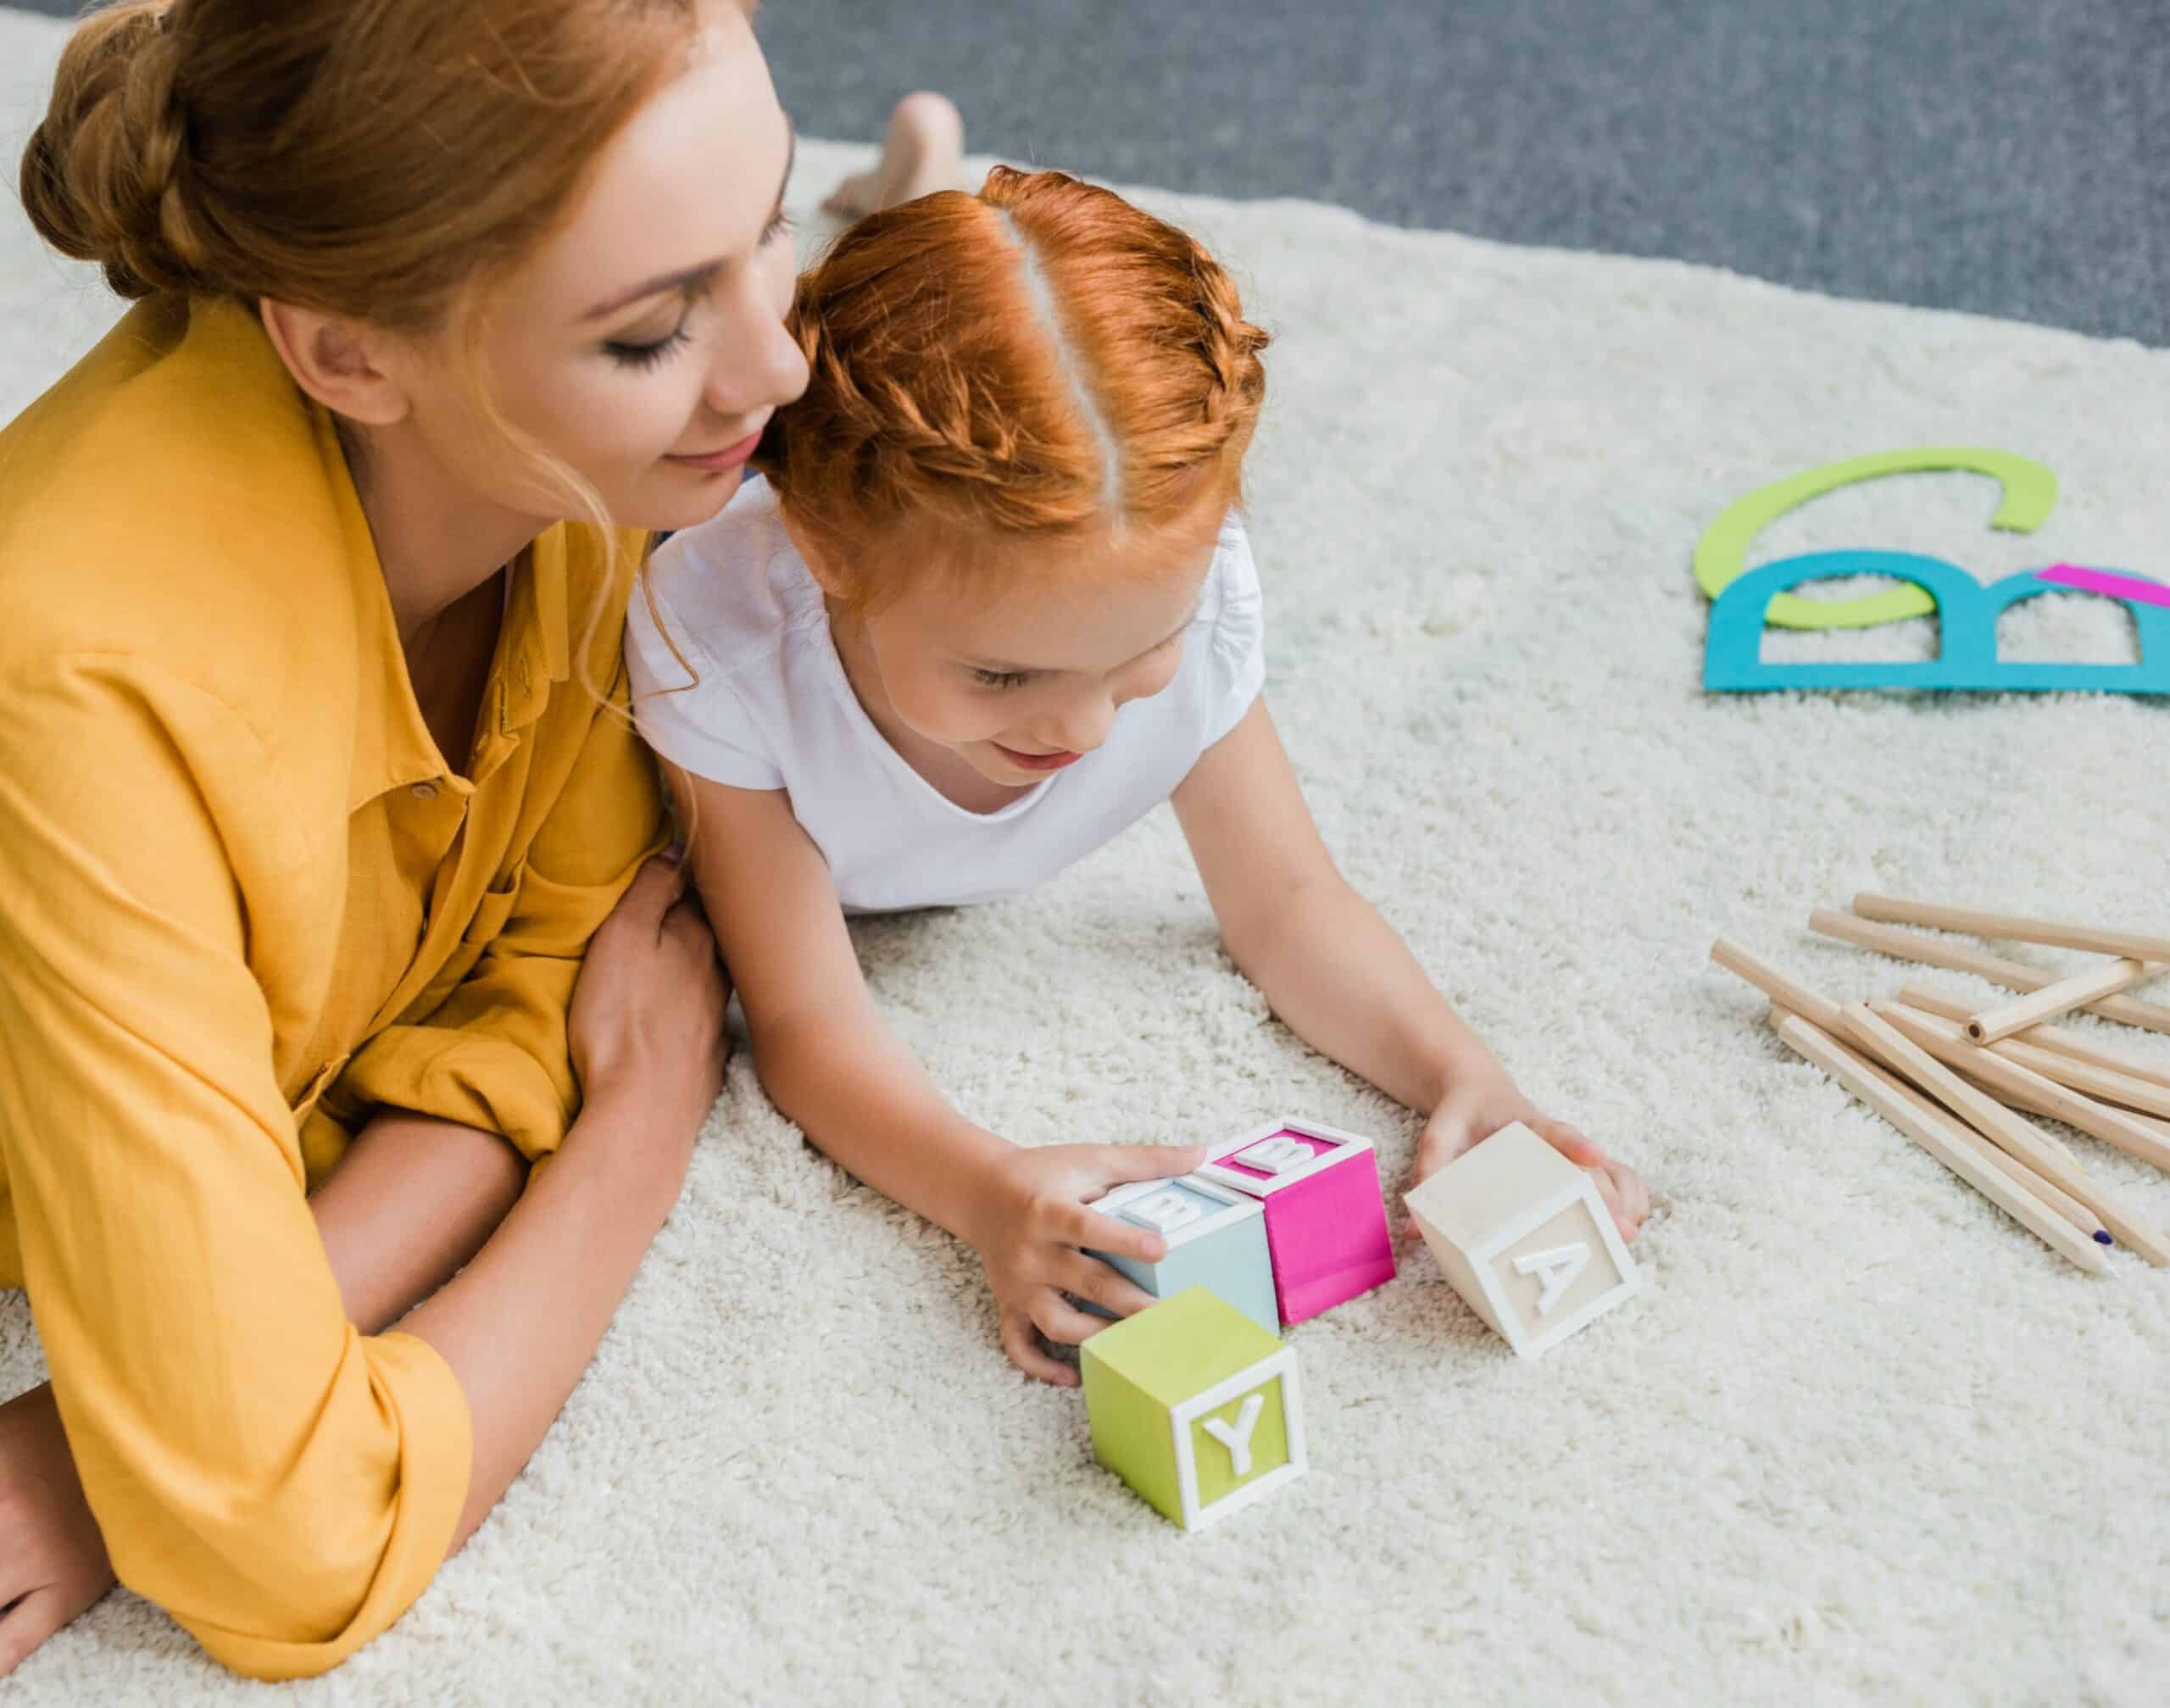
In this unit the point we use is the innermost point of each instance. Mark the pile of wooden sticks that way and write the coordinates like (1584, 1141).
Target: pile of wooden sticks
(1961, 1080)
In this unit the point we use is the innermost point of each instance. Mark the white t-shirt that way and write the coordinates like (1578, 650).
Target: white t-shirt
(768, 707)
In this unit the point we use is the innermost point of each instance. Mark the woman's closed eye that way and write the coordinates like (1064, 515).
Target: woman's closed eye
(647, 353)
(653, 352)
(1001, 679)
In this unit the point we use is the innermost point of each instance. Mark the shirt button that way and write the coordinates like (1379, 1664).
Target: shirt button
(424, 792)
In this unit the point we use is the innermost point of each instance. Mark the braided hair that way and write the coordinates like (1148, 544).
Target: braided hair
(1040, 361)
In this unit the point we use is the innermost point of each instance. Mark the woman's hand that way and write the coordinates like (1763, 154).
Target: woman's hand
(647, 1023)
(1030, 1232)
(1479, 1107)
(53, 1560)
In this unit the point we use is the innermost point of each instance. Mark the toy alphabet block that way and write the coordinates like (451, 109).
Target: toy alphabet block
(1194, 1406)
(1325, 1223)
(1523, 1235)
(1216, 1240)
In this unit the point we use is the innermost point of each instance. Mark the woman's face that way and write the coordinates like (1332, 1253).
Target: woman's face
(643, 344)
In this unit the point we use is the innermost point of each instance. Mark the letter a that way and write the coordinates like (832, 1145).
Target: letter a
(1559, 1266)
(1237, 1438)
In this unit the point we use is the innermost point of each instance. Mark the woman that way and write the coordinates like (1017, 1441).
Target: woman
(317, 792)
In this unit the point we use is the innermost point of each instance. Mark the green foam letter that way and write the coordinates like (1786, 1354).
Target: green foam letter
(2030, 494)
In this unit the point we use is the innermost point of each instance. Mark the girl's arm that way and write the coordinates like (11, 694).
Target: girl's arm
(1336, 971)
(833, 1064)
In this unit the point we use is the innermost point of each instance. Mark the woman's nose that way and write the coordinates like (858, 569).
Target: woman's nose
(758, 365)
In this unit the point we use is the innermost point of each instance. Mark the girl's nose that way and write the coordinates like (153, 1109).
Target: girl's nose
(1084, 726)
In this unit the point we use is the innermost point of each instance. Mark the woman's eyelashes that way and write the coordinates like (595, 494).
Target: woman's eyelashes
(653, 353)
(642, 354)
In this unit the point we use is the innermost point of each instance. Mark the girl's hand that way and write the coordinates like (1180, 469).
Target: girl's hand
(1480, 1108)
(1032, 1226)
(647, 1022)
(53, 1560)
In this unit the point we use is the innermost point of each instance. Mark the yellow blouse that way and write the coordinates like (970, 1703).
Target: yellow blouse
(243, 900)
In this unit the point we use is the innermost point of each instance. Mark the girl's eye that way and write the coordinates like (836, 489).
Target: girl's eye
(777, 228)
(1001, 679)
(650, 355)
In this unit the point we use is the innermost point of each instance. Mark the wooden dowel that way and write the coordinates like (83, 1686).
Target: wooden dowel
(1786, 993)
(2014, 1095)
(2012, 927)
(1991, 1117)
(1938, 1135)
(2077, 1046)
(2106, 1084)
(1929, 951)
(2058, 1200)
(1943, 1040)
(2061, 997)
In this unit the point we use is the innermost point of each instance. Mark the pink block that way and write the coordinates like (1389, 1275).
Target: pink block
(1325, 1221)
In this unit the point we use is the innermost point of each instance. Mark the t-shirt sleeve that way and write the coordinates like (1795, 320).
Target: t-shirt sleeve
(1238, 660)
(687, 711)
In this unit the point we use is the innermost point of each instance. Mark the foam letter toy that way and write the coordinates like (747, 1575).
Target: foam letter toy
(2030, 493)
(1216, 1240)
(1194, 1406)
(1325, 1223)
(1524, 1235)
(1967, 615)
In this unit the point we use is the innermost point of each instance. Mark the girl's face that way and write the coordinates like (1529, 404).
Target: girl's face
(643, 344)
(1029, 682)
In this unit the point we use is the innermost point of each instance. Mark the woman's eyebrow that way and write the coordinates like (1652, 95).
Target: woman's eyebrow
(688, 277)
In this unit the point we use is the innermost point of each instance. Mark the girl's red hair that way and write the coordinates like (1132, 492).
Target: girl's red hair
(1040, 361)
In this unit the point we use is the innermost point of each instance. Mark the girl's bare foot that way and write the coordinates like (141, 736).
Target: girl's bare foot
(923, 151)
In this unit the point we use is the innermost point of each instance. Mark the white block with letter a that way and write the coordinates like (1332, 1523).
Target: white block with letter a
(1523, 1235)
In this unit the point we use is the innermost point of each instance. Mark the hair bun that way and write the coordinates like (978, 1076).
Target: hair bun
(103, 178)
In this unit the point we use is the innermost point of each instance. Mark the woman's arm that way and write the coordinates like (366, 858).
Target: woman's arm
(833, 1064)
(521, 1323)
(412, 1200)
(1339, 974)
(281, 1483)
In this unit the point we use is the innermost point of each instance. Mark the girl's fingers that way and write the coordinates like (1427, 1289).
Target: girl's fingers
(1061, 1323)
(1090, 1229)
(1117, 1165)
(1020, 1341)
(1090, 1278)
(1572, 1144)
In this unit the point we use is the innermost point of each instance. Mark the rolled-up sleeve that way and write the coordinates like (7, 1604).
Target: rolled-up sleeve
(282, 1484)
(495, 1054)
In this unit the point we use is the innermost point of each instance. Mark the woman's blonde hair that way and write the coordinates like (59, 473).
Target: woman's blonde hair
(386, 160)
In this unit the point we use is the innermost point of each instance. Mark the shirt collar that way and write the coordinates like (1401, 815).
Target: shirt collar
(392, 745)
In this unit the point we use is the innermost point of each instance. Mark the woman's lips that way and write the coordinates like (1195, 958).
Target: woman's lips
(730, 456)
(1038, 762)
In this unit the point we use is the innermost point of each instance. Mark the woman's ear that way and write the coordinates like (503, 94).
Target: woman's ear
(337, 361)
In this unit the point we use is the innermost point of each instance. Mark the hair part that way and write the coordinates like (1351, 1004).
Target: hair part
(1042, 363)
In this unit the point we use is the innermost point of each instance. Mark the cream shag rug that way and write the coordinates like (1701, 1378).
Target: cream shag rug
(1862, 1439)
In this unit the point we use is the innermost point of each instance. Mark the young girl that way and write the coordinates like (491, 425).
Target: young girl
(993, 604)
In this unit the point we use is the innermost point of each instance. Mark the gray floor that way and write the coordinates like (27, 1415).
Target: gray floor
(2011, 157)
